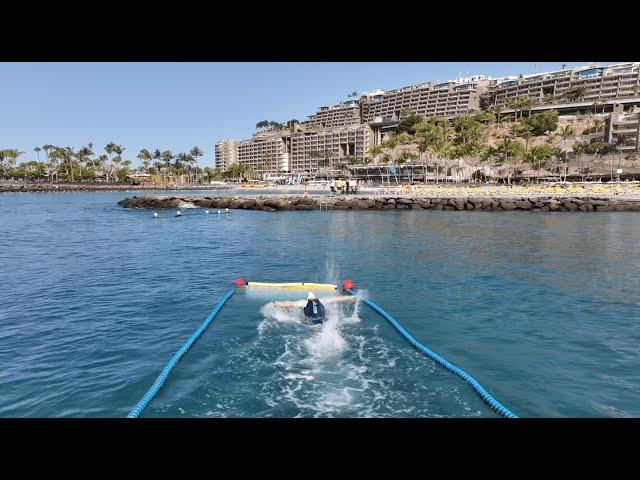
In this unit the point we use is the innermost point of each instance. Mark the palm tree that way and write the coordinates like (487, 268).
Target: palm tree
(375, 151)
(157, 155)
(182, 160)
(599, 102)
(56, 157)
(80, 158)
(506, 151)
(195, 153)
(47, 148)
(101, 163)
(117, 149)
(167, 157)
(67, 155)
(125, 166)
(110, 149)
(526, 102)
(574, 94)
(145, 157)
(12, 155)
(37, 150)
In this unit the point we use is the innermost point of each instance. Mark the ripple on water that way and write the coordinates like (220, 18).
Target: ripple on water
(541, 309)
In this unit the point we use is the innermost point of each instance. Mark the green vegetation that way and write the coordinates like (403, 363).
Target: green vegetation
(68, 164)
(238, 171)
(485, 138)
(542, 123)
(408, 124)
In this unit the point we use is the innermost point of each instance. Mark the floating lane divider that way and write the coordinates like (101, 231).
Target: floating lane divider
(348, 287)
(162, 378)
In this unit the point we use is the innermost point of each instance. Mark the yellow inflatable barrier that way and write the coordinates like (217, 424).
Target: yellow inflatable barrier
(298, 285)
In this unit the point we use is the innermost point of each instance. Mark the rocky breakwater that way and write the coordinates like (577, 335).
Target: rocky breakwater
(276, 203)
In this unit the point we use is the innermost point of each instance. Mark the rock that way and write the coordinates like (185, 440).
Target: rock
(305, 201)
(248, 204)
(278, 202)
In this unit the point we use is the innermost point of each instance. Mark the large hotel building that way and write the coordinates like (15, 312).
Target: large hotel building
(345, 132)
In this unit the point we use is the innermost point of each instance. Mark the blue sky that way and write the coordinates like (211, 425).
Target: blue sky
(178, 105)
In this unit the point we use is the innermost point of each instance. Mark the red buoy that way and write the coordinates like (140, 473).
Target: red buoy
(239, 282)
(347, 285)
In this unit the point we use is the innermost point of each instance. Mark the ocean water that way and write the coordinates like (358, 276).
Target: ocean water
(543, 309)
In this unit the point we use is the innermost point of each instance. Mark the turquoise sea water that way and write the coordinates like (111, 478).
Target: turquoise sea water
(541, 308)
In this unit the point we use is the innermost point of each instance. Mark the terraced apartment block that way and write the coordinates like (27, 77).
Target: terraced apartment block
(605, 85)
(266, 152)
(350, 128)
(340, 115)
(623, 130)
(226, 154)
(430, 99)
(314, 150)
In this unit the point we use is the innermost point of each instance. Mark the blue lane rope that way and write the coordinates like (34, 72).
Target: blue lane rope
(162, 378)
(479, 389)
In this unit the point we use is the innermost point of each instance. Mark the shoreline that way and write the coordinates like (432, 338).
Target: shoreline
(92, 187)
(273, 203)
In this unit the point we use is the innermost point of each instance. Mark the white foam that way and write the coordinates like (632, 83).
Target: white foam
(328, 342)
(312, 371)
(187, 205)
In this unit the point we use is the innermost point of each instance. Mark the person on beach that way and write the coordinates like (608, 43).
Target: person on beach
(314, 310)
(332, 186)
(346, 186)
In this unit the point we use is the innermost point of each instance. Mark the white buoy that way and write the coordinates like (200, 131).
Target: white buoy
(206, 212)
(219, 211)
(155, 215)
(178, 214)
(226, 210)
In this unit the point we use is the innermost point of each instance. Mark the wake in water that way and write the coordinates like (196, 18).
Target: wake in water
(343, 368)
(184, 205)
(320, 371)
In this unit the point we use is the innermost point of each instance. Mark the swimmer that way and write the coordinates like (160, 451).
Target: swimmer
(314, 309)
